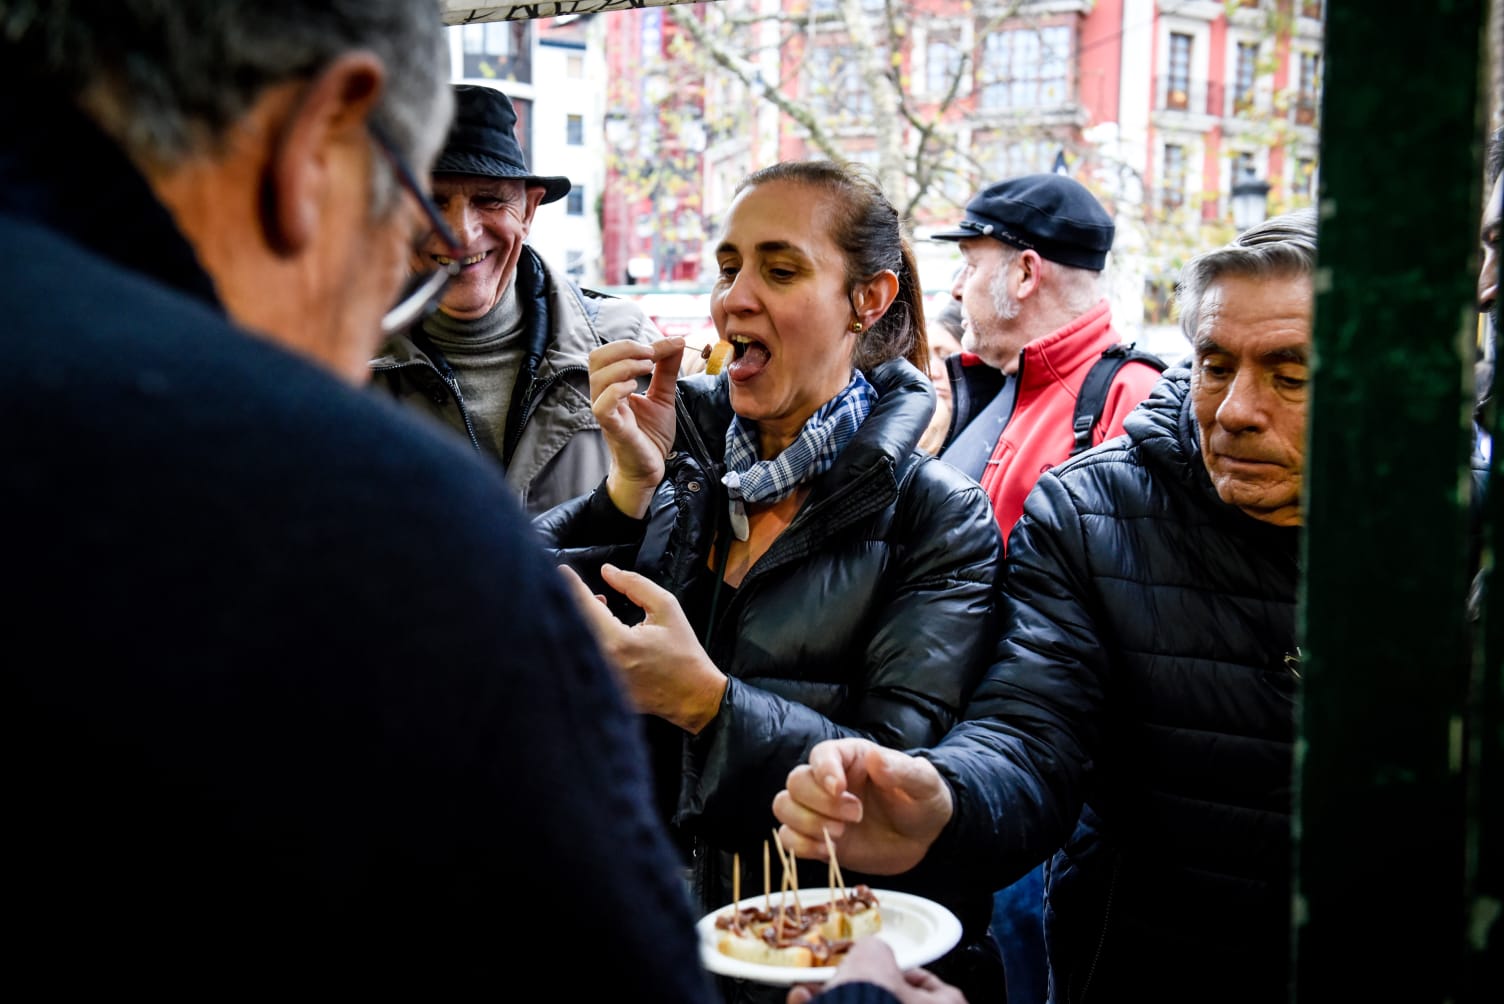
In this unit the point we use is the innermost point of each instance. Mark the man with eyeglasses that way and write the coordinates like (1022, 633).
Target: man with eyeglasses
(294, 703)
(503, 360)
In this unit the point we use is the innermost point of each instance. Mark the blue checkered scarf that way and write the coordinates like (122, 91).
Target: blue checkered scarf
(822, 439)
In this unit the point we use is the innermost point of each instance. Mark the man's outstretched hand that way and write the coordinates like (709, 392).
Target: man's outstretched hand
(882, 808)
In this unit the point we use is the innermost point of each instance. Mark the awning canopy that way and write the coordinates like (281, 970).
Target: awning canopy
(470, 11)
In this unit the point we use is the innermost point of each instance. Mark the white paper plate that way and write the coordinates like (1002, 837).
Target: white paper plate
(918, 930)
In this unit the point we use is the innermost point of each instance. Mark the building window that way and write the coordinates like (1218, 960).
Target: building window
(1313, 9)
(574, 202)
(1027, 68)
(833, 6)
(954, 186)
(1244, 168)
(837, 80)
(1012, 158)
(1173, 194)
(942, 61)
(1178, 92)
(524, 127)
(1304, 183)
(497, 50)
(1246, 72)
(574, 130)
(574, 66)
(1309, 96)
(574, 264)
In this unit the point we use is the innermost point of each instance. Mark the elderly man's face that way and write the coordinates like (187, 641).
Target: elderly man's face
(1249, 389)
(491, 217)
(990, 327)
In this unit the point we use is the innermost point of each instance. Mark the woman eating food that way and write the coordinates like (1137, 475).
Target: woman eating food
(770, 562)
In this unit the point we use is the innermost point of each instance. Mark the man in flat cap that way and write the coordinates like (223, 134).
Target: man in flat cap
(1036, 320)
(503, 360)
(1137, 726)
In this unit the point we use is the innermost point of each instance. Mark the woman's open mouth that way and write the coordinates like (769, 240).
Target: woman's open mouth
(748, 358)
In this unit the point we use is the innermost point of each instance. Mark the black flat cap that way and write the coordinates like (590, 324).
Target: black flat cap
(1048, 213)
(483, 140)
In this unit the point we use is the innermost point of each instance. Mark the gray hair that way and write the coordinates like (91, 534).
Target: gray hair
(169, 78)
(1280, 246)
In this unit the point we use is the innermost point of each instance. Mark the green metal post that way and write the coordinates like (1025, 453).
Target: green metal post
(1380, 823)
(1485, 844)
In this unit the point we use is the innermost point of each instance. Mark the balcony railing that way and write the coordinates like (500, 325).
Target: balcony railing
(1197, 97)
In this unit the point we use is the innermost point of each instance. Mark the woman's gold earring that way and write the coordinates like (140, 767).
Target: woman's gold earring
(856, 326)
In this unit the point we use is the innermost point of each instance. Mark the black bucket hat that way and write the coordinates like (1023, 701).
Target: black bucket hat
(483, 140)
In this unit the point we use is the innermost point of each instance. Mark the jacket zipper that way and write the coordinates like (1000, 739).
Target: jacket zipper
(539, 388)
(1091, 970)
(454, 390)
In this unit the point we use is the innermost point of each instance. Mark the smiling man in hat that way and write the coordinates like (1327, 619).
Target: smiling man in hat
(1035, 320)
(503, 358)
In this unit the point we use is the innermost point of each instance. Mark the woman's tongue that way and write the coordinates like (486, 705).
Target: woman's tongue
(749, 361)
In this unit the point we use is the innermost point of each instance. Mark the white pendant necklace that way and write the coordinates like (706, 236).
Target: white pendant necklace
(739, 519)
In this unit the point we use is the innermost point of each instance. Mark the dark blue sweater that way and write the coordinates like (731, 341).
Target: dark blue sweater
(293, 699)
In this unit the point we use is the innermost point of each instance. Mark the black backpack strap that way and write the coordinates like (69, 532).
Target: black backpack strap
(1093, 397)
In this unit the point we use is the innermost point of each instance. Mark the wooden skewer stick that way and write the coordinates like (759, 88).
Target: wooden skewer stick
(790, 873)
(736, 890)
(794, 884)
(767, 880)
(783, 877)
(830, 847)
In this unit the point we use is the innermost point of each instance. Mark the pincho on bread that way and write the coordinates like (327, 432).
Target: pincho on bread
(716, 356)
(790, 933)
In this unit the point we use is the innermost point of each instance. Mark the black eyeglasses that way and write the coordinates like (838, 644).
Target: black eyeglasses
(420, 294)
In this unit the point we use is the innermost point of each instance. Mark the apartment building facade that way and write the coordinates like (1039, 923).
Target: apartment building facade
(1160, 106)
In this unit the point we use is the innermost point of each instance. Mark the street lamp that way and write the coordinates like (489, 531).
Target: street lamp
(1250, 200)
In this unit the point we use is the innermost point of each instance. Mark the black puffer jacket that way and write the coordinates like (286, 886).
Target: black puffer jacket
(872, 615)
(1145, 685)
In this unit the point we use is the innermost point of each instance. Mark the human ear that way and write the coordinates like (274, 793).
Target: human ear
(302, 171)
(534, 198)
(1030, 266)
(872, 298)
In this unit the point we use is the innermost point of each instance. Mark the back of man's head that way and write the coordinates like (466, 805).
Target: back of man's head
(167, 78)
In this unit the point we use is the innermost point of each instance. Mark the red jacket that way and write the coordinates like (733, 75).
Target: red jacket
(1038, 433)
